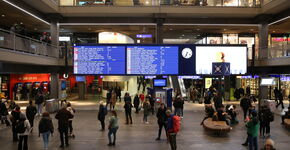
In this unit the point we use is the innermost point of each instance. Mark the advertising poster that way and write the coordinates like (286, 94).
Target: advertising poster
(236, 56)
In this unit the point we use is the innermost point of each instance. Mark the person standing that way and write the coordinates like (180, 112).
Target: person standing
(108, 100)
(253, 125)
(151, 101)
(113, 127)
(276, 94)
(23, 130)
(162, 119)
(72, 111)
(39, 102)
(128, 112)
(146, 107)
(173, 126)
(14, 119)
(136, 103)
(45, 128)
(102, 115)
(30, 113)
(142, 98)
(237, 94)
(127, 97)
(4, 113)
(248, 91)
(218, 102)
(267, 117)
(63, 117)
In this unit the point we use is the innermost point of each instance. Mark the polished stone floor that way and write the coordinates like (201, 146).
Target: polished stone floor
(141, 136)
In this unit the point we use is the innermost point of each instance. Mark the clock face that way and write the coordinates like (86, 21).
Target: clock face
(186, 53)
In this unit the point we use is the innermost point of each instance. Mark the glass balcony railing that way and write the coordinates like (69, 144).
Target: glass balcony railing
(15, 42)
(279, 51)
(213, 3)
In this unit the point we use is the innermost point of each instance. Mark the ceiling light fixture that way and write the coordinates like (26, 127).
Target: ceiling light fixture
(8, 2)
(183, 24)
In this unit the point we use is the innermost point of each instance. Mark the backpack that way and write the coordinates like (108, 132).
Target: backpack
(20, 127)
(176, 124)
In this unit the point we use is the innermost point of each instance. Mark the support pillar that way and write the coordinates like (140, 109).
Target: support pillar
(227, 87)
(54, 85)
(54, 33)
(159, 31)
(263, 40)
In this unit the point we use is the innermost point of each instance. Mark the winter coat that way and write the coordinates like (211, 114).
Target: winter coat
(45, 125)
(128, 106)
(253, 127)
(128, 98)
(63, 117)
(39, 99)
(146, 107)
(27, 130)
(136, 101)
(161, 115)
(102, 112)
(30, 111)
(3, 110)
(245, 103)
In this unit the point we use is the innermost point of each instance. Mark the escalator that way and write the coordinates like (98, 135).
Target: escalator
(178, 84)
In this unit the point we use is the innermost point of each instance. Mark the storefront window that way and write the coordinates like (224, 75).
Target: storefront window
(231, 3)
(214, 40)
(249, 41)
(230, 38)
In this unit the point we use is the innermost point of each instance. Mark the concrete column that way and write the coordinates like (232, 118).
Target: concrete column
(263, 40)
(82, 90)
(54, 32)
(227, 87)
(159, 31)
(54, 85)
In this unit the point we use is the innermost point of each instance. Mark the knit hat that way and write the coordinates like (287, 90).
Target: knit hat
(270, 142)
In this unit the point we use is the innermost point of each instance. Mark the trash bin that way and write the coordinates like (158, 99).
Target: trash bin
(52, 105)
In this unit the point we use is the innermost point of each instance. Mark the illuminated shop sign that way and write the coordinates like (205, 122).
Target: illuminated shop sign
(189, 77)
(143, 36)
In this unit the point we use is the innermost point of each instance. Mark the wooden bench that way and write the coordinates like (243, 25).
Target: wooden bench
(287, 123)
(220, 127)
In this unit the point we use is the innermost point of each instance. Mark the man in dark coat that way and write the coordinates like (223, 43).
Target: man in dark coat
(4, 113)
(30, 113)
(128, 111)
(102, 114)
(63, 117)
(162, 119)
(218, 101)
(245, 105)
(136, 103)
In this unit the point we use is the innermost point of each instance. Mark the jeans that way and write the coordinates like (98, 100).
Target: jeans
(70, 126)
(145, 118)
(112, 131)
(63, 134)
(128, 116)
(253, 143)
(161, 125)
(39, 109)
(23, 139)
(45, 137)
(172, 140)
(178, 111)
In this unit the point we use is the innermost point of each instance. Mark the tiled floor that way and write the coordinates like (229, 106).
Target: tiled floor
(141, 136)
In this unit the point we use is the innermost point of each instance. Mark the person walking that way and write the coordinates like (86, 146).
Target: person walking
(285, 116)
(253, 125)
(142, 98)
(118, 92)
(280, 98)
(161, 119)
(15, 117)
(102, 115)
(30, 113)
(136, 103)
(45, 128)
(265, 117)
(108, 98)
(72, 111)
(146, 107)
(113, 127)
(128, 111)
(151, 101)
(245, 105)
(177, 106)
(39, 99)
(23, 130)
(63, 117)
(173, 126)
(113, 100)
(276, 94)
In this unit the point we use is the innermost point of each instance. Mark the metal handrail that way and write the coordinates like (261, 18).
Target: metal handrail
(16, 42)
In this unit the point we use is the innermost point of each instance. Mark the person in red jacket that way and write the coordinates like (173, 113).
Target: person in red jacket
(173, 126)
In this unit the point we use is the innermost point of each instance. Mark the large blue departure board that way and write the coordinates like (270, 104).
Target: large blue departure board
(152, 59)
(99, 59)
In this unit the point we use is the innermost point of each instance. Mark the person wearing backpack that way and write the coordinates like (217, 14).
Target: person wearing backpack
(39, 99)
(173, 127)
(23, 130)
(269, 117)
(45, 128)
(162, 119)
(15, 116)
(30, 113)
(102, 115)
